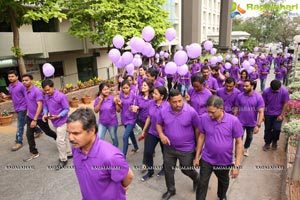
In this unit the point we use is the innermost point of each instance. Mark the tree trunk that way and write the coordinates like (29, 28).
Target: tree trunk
(16, 39)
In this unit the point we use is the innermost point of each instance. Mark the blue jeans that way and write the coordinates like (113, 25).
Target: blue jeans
(129, 133)
(249, 137)
(272, 129)
(21, 121)
(184, 89)
(262, 84)
(112, 132)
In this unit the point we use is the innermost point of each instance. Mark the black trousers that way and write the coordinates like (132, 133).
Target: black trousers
(170, 157)
(30, 133)
(206, 170)
(150, 143)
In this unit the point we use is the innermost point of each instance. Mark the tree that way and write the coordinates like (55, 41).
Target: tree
(19, 12)
(101, 20)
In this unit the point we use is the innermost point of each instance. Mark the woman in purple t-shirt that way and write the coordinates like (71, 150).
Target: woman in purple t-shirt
(142, 105)
(105, 104)
(240, 82)
(126, 105)
(159, 101)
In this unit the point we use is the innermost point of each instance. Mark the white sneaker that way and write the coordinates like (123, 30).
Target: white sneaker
(246, 152)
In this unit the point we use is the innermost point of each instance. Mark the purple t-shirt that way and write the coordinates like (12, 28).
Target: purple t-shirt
(253, 76)
(248, 107)
(17, 93)
(240, 84)
(199, 99)
(234, 71)
(107, 112)
(195, 69)
(154, 111)
(179, 127)
(140, 80)
(55, 104)
(211, 82)
(32, 96)
(264, 69)
(185, 81)
(143, 105)
(228, 99)
(282, 71)
(219, 137)
(100, 173)
(161, 80)
(274, 100)
(127, 116)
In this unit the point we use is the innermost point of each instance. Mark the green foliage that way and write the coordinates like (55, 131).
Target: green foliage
(17, 52)
(292, 131)
(250, 44)
(37, 84)
(27, 10)
(101, 20)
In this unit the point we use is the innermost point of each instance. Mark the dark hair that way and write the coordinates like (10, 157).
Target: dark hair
(150, 85)
(130, 77)
(153, 72)
(125, 82)
(215, 101)
(230, 80)
(162, 91)
(101, 86)
(12, 72)
(245, 72)
(28, 75)
(198, 79)
(48, 82)
(204, 68)
(86, 116)
(215, 68)
(225, 71)
(174, 93)
(275, 85)
(143, 67)
(251, 81)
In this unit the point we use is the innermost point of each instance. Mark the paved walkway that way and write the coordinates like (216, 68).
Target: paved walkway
(37, 180)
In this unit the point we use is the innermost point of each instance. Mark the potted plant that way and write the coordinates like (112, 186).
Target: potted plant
(80, 84)
(5, 118)
(69, 87)
(74, 102)
(86, 99)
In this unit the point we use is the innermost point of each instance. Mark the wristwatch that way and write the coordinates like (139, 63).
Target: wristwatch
(258, 125)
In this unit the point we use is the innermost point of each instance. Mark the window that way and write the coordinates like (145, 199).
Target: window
(42, 26)
(58, 66)
(5, 27)
(86, 68)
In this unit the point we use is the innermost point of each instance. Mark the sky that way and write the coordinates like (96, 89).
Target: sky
(254, 13)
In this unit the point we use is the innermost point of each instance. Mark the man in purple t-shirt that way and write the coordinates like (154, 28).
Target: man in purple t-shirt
(34, 102)
(276, 99)
(280, 72)
(56, 108)
(17, 92)
(218, 130)
(177, 129)
(228, 94)
(209, 81)
(248, 105)
(101, 169)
